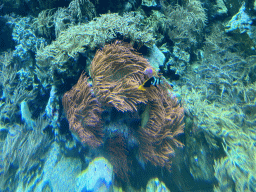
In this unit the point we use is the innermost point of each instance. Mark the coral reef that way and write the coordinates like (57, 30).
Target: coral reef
(122, 107)
(83, 112)
(29, 42)
(117, 71)
(218, 89)
(185, 23)
(62, 53)
(13, 92)
(22, 150)
(23, 141)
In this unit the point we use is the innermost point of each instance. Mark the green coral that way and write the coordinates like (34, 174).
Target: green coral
(185, 23)
(12, 90)
(22, 150)
(58, 56)
(237, 170)
(219, 94)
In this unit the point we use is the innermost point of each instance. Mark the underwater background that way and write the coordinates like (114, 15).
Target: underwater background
(128, 95)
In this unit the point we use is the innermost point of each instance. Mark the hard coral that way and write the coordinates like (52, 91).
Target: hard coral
(117, 72)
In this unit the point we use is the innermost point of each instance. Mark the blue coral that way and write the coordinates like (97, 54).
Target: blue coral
(25, 38)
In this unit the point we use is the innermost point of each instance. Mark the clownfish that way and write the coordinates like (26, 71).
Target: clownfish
(150, 73)
(152, 81)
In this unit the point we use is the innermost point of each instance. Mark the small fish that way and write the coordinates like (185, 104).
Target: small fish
(150, 82)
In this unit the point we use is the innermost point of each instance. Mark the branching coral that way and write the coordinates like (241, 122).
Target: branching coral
(117, 72)
(185, 23)
(12, 91)
(23, 149)
(239, 164)
(220, 96)
(43, 23)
